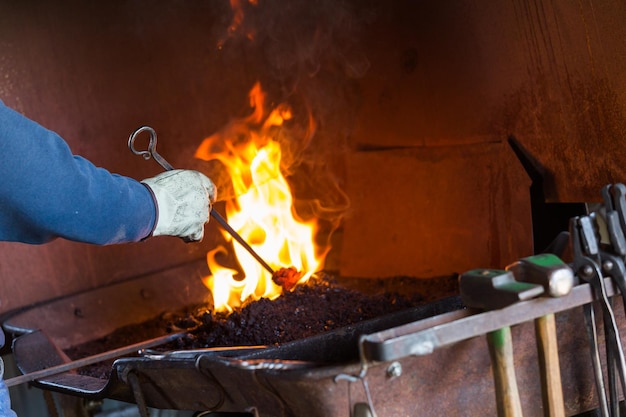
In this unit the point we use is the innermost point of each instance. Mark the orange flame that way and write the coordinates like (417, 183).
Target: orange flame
(262, 210)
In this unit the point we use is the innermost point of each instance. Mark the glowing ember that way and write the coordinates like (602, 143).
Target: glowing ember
(261, 211)
(286, 277)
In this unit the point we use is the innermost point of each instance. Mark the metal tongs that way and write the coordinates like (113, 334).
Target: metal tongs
(151, 152)
(612, 255)
(590, 260)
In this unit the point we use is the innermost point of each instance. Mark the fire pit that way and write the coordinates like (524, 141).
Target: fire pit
(193, 379)
(321, 375)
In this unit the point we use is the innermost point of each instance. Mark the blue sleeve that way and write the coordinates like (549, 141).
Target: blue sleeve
(46, 192)
(5, 401)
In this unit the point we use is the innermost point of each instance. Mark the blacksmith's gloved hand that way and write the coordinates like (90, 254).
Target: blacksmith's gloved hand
(184, 199)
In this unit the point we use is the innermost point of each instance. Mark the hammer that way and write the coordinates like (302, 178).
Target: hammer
(490, 289)
(557, 279)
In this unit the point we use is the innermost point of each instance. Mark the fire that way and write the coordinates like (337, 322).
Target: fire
(261, 211)
(237, 23)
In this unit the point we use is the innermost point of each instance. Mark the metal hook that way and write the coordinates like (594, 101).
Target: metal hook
(151, 152)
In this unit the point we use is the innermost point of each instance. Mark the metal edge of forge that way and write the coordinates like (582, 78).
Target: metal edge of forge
(230, 384)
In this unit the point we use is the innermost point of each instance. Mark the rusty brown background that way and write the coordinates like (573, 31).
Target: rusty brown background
(414, 101)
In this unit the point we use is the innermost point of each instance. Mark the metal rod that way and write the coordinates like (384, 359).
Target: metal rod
(90, 360)
(423, 337)
(241, 241)
(152, 153)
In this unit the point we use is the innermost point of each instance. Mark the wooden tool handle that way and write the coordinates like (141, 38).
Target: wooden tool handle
(501, 352)
(548, 351)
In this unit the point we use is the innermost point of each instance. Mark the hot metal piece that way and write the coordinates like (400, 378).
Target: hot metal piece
(151, 152)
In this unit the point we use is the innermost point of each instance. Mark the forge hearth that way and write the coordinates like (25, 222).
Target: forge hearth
(317, 376)
(335, 314)
(322, 305)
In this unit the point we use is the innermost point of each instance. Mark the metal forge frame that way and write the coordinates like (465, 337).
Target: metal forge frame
(430, 360)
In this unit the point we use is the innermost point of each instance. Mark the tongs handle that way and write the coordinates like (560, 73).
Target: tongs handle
(151, 152)
(587, 263)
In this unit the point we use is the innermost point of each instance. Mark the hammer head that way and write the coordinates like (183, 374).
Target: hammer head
(547, 270)
(490, 289)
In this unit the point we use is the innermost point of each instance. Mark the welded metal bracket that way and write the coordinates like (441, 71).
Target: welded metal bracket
(425, 336)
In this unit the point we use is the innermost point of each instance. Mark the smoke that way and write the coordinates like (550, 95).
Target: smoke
(307, 54)
(300, 38)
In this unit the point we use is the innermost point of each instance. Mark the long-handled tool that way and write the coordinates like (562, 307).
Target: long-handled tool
(90, 360)
(489, 289)
(151, 152)
(587, 264)
(557, 279)
(611, 225)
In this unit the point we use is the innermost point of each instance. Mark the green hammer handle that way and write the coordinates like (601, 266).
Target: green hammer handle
(501, 352)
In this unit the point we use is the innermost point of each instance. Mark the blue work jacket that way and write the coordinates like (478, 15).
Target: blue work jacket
(47, 192)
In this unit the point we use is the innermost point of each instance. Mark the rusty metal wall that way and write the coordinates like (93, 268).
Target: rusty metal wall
(449, 82)
(410, 89)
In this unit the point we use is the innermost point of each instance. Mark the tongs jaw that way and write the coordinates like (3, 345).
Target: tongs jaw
(585, 246)
(615, 217)
(599, 248)
(613, 252)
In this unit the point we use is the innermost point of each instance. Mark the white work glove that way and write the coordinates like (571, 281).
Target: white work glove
(184, 199)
